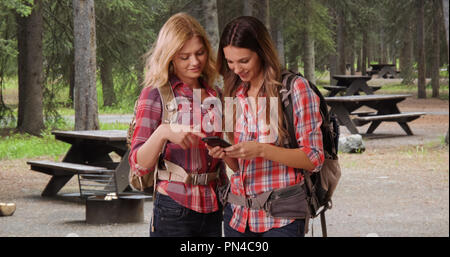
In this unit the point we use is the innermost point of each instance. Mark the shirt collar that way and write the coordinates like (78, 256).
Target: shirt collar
(175, 82)
(242, 90)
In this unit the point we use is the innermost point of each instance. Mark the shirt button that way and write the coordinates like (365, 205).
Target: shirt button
(209, 163)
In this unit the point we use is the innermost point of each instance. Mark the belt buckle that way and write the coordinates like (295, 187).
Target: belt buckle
(248, 202)
(194, 181)
(204, 179)
(199, 179)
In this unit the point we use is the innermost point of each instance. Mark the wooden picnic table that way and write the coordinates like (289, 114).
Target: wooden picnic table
(384, 70)
(353, 84)
(89, 152)
(385, 107)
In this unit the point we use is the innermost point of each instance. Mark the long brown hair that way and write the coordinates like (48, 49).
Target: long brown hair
(250, 33)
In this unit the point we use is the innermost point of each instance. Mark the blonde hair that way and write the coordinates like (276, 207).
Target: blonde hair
(178, 29)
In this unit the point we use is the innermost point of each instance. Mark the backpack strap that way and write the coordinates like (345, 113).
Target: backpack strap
(169, 112)
(166, 169)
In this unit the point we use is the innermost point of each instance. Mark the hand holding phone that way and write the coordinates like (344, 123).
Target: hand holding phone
(216, 141)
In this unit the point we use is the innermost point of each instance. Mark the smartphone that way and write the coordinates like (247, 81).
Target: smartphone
(216, 141)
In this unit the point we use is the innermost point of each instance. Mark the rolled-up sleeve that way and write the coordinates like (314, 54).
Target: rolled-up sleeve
(307, 120)
(148, 118)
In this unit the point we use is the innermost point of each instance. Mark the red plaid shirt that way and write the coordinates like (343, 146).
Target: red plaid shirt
(261, 175)
(148, 117)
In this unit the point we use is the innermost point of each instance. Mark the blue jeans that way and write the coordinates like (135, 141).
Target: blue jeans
(171, 219)
(294, 229)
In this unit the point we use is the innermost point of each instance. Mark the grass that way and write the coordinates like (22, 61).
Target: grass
(17, 145)
(398, 88)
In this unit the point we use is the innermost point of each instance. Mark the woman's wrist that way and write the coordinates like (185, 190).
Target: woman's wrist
(262, 148)
(162, 132)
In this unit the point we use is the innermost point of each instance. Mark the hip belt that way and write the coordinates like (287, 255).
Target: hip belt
(288, 202)
(173, 172)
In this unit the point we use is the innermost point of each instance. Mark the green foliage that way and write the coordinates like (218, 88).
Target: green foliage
(15, 146)
(22, 7)
(7, 48)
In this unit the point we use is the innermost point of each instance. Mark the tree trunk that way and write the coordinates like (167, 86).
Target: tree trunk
(85, 94)
(30, 67)
(72, 80)
(359, 60)
(332, 62)
(248, 8)
(106, 75)
(277, 35)
(211, 22)
(421, 93)
(332, 57)
(365, 49)
(445, 9)
(267, 15)
(436, 48)
(21, 65)
(308, 54)
(382, 57)
(407, 53)
(341, 43)
(292, 58)
(259, 9)
(352, 59)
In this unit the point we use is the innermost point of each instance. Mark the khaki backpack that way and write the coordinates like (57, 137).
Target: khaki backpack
(146, 183)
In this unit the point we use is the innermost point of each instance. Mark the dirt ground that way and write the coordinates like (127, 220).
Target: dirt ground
(398, 187)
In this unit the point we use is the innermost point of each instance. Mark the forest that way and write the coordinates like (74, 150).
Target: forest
(38, 53)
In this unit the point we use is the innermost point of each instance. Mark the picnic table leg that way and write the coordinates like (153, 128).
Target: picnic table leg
(333, 92)
(358, 85)
(373, 126)
(382, 72)
(344, 118)
(406, 128)
(55, 184)
(386, 71)
(122, 172)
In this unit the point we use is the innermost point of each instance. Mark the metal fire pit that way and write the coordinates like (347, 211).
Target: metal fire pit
(124, 209)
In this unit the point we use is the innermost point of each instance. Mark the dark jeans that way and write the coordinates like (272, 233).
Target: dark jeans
(171, 219)
(294, 229)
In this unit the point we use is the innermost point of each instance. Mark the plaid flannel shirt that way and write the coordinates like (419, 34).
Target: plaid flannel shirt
(261, 175)
(199, 198)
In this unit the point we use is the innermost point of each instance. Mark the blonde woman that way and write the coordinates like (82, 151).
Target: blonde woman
(248, 61)
(181, 57)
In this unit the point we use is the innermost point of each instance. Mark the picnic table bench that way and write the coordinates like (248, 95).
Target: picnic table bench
(401, 118)
(63, 170)
(385, 106)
